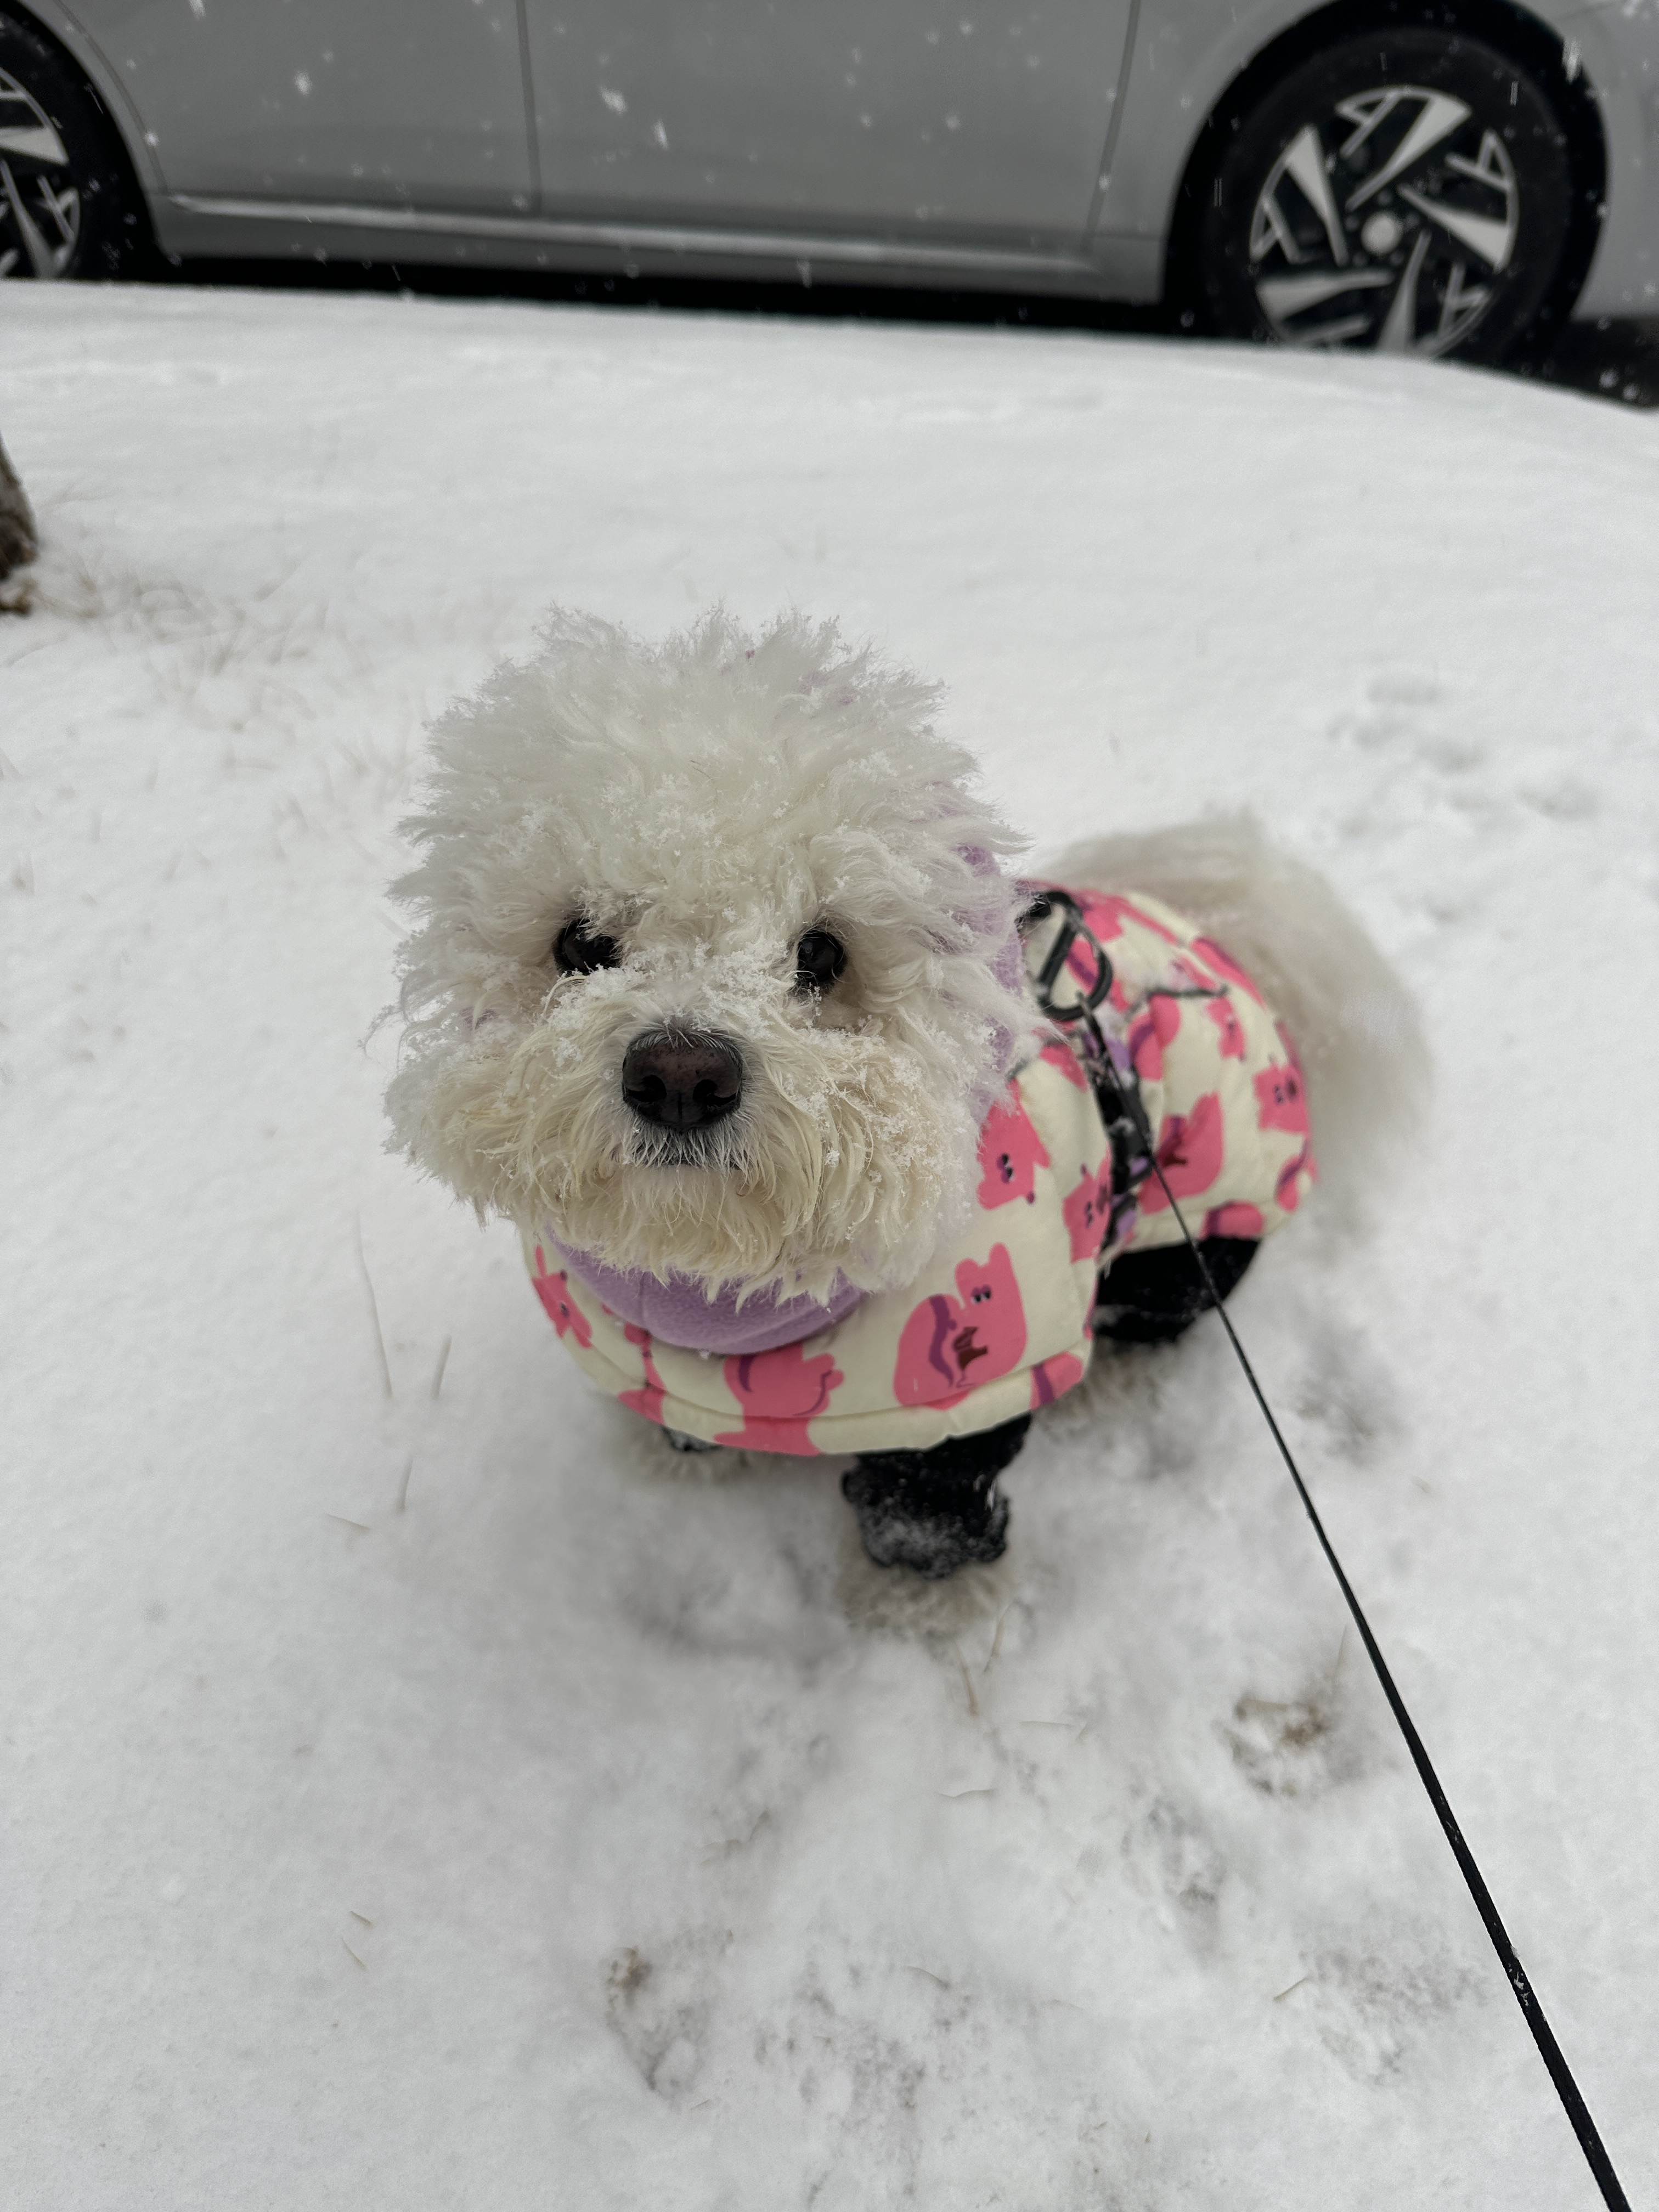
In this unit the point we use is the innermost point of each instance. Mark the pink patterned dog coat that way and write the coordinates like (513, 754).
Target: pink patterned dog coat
(998, 1323)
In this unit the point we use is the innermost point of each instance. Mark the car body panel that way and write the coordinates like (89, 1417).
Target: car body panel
(1617, 43)
(381, 100)
(1181, 57)
(193, 225)
(886, 117)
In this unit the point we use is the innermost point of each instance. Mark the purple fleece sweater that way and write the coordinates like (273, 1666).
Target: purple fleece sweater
(680, 1311)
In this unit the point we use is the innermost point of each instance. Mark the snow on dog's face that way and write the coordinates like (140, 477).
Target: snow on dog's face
(706, 979)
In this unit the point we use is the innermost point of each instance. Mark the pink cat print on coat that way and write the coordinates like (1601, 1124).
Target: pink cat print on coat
(1281, 1102)
(554, 1291)
(648, 1398)
(1010, 1154)
(1156, 1027)
(1052, 1377)
(780, 1391)
(1221, 1012)
(1088, 1210)
(1190, 1151)
(950, 1346)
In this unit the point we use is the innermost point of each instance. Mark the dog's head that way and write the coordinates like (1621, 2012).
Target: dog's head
(715, 968)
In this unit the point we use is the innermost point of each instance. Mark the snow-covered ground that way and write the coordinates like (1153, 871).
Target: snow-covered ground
(422, 1791)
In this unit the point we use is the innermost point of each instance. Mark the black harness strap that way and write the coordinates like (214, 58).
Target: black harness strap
(1119, 1100)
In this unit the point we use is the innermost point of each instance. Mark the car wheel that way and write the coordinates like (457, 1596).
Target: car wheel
(68, 207)
(1404, 192)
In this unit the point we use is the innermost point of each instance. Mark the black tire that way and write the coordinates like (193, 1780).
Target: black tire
(68, 204)
(1405, 190)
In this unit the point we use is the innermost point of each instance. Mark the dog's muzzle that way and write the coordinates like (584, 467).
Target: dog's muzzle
(682, 1080)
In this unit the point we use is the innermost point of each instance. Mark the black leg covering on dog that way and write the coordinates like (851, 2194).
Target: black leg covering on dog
(1151, 1298)
(934, 1511)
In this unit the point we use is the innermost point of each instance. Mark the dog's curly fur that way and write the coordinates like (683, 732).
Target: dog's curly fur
(704, 803)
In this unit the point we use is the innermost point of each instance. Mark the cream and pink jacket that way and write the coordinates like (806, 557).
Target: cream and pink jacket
(998, 1324)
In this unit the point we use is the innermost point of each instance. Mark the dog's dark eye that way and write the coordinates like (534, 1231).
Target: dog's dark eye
(579, 952)
(819, 958)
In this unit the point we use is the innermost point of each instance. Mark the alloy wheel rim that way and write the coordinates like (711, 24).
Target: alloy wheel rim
(1389, 225)
(39, 202)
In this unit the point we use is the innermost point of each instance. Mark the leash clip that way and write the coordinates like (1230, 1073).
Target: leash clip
(1072, 929)
(1117, 1093)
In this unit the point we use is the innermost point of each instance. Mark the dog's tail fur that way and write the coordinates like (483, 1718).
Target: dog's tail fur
(1354, 1024)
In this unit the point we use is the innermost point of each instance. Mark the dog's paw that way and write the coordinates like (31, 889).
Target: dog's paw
(677, 1440)
(899, 1529)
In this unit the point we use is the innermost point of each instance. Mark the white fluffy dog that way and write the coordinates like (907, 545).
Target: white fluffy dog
(718, 991)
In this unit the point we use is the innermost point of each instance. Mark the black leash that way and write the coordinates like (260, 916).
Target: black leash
(1123, 1106)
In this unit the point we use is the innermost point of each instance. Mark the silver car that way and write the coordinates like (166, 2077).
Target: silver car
(1435, 178)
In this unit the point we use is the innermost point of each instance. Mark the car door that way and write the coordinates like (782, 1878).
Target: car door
(964, 117)
(398, 101)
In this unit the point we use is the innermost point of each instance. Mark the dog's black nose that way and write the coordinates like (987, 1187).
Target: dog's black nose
(681, 1079)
